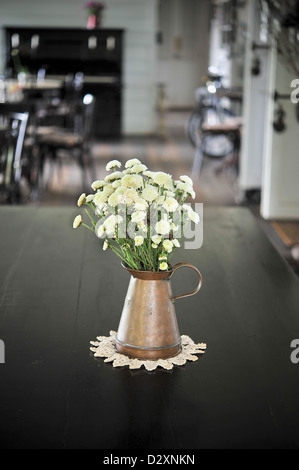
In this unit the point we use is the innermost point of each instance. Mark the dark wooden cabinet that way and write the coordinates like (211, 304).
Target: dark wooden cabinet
(97, 53)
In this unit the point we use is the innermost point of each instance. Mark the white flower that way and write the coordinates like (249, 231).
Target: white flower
(100, 198)
(163, 179)
(141, 205)
(154, 245)
(77, 221)
(132, 181)
(186, 188)
(98, 184)
(129, 196)
(138, 168)
(187, 180)
(100, 231)
(163, 266)
(111, 222)
(132, 162)
(113, 199)
(194, 216)
(90, 197)
(149, 174)
(116, 175)
(108, 189)
(149, 193)
(138, 240)
(116, 184)
(176, 242)
(138, 216)
(113, 164)
(162, 227)
(167, 245)
(156, 239)
(100, 209)
(170, 204)
(174, 227)
(105, 245)
(81, 200)
(162, 257)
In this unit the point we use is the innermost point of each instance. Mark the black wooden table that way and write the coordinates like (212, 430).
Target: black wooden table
(59, 290)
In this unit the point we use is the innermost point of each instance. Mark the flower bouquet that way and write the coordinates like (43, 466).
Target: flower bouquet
(139, 214)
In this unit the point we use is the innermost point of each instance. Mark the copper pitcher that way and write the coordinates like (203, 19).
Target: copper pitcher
(148, 327)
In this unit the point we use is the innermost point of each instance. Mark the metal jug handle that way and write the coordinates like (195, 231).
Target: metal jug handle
(187, 265)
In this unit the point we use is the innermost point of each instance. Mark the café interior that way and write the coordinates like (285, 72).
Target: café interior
(205, 88)
(198, 91)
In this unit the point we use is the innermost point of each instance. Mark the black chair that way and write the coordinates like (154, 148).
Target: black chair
(12, 136)
(75, 142)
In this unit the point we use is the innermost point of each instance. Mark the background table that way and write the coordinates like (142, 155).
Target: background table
(59, 290)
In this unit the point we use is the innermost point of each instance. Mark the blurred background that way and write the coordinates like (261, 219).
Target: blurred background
(206, 88)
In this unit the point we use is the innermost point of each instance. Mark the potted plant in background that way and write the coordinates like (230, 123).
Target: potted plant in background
(95, 13)
(141, 216)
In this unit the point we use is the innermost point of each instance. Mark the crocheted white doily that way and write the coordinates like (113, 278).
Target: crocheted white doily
(104, 347)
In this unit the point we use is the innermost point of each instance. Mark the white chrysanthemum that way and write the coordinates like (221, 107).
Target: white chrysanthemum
(116, 175)
(138, 240)
(156, 239)
(187, 180)
(186, 188)
(100, 198)
(132, 162)
(154, 245)
(100, 209)
(98, 184)
(108, 189)
(149, 193)
(111, 222)
(162, 257)
(174, 227)
(113, 199)
(100, 231)
(194, 216)
(105, 245)
(170, 204)
(176, 243)
(81, 200)
(90, 197)
(113, 164)
(167, 245)
(129, 197)
(116, 184)
(138, 216)
(141, 205)
(163, 266)
(139, 168)
(163, 179)
(132, 181)
(149, 174)
(77, 221)
(162, 227)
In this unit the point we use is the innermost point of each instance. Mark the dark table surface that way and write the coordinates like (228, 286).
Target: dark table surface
(59, 290)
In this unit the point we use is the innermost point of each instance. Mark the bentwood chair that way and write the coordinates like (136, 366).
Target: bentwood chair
(56, 142)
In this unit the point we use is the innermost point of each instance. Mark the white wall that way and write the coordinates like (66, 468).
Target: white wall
(137, 17)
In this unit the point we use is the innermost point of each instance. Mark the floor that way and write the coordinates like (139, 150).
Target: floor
(216, 184)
